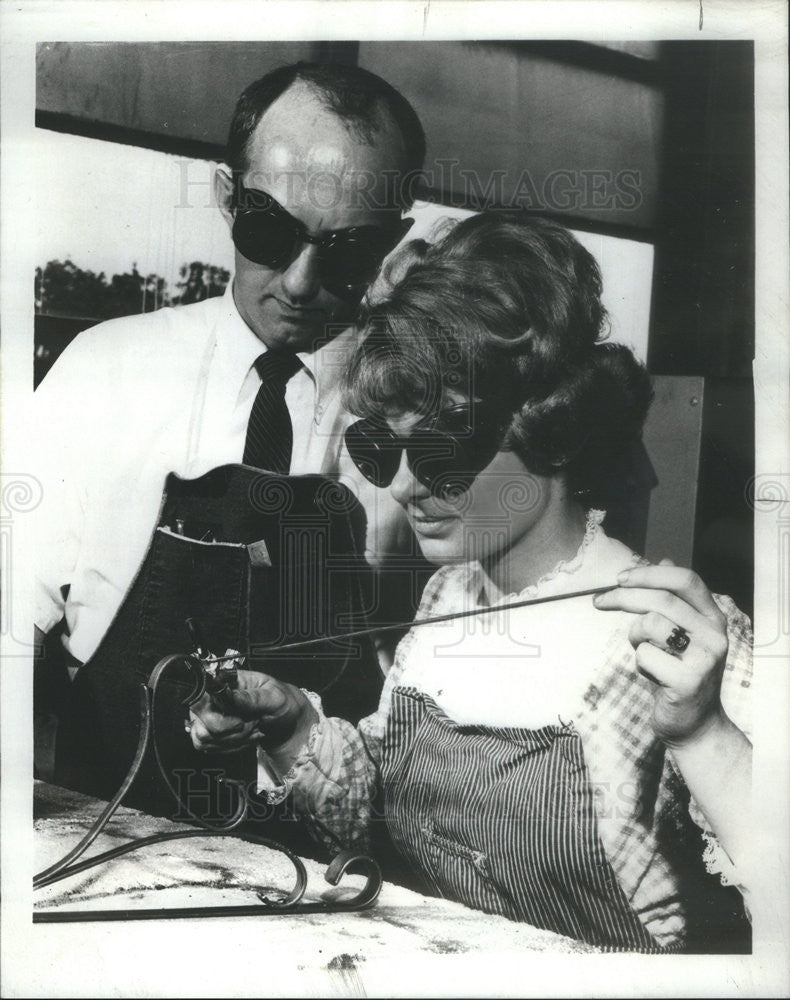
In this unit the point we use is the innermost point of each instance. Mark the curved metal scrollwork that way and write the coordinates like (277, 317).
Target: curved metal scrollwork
(347, 862)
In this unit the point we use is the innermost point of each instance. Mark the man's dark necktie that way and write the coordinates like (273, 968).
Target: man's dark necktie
(269, 433)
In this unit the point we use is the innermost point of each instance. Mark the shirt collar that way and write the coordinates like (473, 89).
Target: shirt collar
(238, 348)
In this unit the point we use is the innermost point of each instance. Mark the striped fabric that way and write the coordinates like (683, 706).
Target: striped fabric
(504, 821)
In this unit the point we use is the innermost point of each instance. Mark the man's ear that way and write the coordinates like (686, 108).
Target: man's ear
(223, 192)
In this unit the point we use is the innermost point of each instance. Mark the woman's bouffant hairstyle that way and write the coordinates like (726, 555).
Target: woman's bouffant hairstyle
(506, 308)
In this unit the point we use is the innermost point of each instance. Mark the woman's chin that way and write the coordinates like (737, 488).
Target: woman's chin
(442, 551)
(458, 548)
(441, 539)
(434, 555)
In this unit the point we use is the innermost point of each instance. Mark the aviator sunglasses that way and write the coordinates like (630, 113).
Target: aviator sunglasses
(348, 259)
(445, 457)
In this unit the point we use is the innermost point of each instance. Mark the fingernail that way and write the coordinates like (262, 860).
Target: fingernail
(597, 599)
(623, 577)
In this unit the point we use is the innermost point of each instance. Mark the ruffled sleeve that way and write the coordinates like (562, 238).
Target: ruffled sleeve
(736, 700)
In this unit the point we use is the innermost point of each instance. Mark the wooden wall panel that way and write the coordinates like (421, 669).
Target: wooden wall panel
(186, 90)
(672, 438)
(493, 107)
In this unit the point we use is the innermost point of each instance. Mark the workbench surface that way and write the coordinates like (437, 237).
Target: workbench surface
(401, 926)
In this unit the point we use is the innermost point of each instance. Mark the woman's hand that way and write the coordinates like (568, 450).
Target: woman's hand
(665, 597)
(260, 711)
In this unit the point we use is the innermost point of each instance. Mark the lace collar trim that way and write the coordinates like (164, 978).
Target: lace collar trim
(480, 583)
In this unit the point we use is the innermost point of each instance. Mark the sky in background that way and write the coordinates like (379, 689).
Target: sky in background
(106, 206)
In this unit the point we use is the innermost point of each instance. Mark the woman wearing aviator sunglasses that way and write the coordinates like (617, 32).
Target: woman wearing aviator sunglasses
(570, 763)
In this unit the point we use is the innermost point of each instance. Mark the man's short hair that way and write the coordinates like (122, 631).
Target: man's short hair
(355, 95)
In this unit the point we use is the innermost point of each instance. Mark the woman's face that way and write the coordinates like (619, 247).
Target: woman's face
(497, 513)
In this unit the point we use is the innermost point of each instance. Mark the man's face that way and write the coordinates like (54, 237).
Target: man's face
(304, 157)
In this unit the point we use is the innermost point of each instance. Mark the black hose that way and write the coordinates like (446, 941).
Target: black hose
(45, 877)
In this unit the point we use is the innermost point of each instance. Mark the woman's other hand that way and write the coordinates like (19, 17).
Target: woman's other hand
(259, 711)
(666, 598)
(714, 756)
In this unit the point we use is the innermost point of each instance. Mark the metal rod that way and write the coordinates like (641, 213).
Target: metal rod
(377, 629)
(176, 913)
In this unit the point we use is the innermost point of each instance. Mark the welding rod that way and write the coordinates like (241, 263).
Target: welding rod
(378, 629)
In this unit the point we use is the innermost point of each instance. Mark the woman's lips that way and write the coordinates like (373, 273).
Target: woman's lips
(431, 524)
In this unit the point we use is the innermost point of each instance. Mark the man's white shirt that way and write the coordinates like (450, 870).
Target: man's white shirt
(138, 397)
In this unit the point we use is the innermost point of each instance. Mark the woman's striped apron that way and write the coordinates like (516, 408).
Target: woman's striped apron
(503, 820)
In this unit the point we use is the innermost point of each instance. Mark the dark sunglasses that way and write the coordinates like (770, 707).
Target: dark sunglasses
(348, 259)
(445, 457)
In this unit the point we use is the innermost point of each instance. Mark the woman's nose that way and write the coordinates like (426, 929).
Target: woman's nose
(301, 280)
(405, 486)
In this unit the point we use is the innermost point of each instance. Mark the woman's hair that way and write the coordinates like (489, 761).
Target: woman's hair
(506, 309)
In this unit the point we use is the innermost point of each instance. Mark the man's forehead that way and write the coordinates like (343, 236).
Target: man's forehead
(299, 133)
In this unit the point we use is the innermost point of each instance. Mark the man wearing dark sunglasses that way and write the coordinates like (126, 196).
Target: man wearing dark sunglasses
(313, 195)
(317, 177)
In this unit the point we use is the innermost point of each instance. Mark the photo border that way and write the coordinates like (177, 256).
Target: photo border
(79, 964)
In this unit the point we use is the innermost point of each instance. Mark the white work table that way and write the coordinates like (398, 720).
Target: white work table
(339, 954)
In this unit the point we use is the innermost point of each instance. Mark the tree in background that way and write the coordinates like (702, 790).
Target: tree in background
(126, 294)
(156, 294)
(69, 299)
(200, 281)
(62, 288)
(67, 289)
